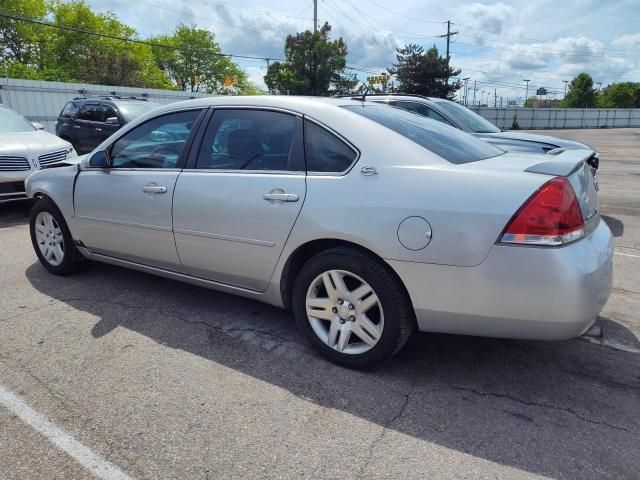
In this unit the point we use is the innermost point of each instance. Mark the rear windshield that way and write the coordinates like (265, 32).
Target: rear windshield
(131, 110)
(447, 142)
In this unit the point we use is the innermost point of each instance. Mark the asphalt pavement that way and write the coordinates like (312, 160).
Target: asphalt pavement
(117, 371)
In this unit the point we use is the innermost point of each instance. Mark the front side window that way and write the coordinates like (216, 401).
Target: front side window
(157, 143)
(422, 109)
(11, 122)
(452, 144)
(90, 112)
(108, 111)
(471, 120)
(325, 152)
(251, 140)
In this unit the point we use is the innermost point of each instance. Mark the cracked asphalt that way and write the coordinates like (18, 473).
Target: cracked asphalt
(167, 380)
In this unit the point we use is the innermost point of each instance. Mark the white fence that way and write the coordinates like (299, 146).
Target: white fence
(42, 101)
(557, 118)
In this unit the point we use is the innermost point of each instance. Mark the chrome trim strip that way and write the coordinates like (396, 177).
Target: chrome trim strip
(217, 236)
(170, 274)
(126, 224)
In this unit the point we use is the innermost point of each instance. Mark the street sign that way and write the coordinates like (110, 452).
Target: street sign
(541, 91)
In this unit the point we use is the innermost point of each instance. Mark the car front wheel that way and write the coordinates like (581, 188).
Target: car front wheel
(351, 308)
(52, 240)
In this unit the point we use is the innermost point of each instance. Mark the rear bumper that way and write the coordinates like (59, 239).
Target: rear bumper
(12, 185)
(517, 292)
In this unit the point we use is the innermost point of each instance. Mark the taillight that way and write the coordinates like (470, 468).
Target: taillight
(550, 217)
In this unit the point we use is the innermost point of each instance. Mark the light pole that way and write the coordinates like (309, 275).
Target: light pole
(482, 98)
(526, 95)
(466, 90)
(599, 85)
(565, 87)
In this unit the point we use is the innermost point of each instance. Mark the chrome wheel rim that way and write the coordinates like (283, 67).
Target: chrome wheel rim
(49, 238)
(344, 312)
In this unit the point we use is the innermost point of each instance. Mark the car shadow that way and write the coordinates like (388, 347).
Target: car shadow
(14, 213)
(616, 226)
(560, 409)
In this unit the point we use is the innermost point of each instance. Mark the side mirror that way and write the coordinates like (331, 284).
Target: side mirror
(37, 125)
(99, 159)
(112, 121)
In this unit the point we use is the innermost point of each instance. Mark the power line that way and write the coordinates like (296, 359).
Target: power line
(404, 16)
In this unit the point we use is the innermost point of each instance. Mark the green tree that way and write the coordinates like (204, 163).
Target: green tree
(193, 61)
(95, 59)
(20, 41)
(581, 93)
(424, 73)
(620, 95)
(314, 65)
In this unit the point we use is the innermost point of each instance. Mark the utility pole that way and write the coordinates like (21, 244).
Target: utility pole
(466, 90)
(565, 87)
(526, 95)
(315, 16)
(474, 93)
(448, 36)
(495, 98)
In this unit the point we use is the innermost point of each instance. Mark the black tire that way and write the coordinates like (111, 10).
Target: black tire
(72, 258)
(399, 318)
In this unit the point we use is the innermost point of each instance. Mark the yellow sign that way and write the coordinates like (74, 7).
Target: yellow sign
(227, 81)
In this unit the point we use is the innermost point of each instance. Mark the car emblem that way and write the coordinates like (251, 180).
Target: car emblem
(368, 170)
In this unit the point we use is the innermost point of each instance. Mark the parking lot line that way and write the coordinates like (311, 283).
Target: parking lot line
(82, 454)
(627, 255)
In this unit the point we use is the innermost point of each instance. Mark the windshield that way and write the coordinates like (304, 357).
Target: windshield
(133, 110)
(11, 122)
(471, 120)
(449, 143)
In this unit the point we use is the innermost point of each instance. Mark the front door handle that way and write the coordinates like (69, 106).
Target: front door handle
(98, 129)
(282, 197)
(154, 189)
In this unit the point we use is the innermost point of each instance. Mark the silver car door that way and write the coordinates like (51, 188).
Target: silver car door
(124, 210)
(238, 199)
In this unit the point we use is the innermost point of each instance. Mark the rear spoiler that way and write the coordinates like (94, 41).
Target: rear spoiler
(565, 162)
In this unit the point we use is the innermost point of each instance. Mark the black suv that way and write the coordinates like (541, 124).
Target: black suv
(87, 121)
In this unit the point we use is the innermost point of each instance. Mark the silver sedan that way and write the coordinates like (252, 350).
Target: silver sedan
(367, 221)
(24, 148)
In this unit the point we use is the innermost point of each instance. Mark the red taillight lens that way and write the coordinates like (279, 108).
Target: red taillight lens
(551, 216)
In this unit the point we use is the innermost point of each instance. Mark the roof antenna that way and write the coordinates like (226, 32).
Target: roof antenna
(363, 96)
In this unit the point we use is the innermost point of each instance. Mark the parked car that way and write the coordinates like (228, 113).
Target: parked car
(24, 148)
(459, 116)
(88, 121)
(366, 220)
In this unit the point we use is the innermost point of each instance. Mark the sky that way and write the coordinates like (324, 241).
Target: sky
(498, 44)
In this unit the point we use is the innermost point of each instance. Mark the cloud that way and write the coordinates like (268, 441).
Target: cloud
(627, 40)
(484, 18)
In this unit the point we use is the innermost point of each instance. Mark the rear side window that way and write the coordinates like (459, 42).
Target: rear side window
(422, 109)
(107, 111)
(68, 110)
(452, 144)
(252, 140)
(325, 152)
(90, 111)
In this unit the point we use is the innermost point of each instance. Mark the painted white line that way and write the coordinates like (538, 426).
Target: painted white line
(61, 439)
(626, 254)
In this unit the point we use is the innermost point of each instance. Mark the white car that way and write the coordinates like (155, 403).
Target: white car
(24, 148)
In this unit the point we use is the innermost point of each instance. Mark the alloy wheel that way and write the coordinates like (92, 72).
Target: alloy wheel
(344, 312)
(49, 238)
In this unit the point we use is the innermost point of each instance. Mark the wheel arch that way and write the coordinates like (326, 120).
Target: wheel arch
(307, 250)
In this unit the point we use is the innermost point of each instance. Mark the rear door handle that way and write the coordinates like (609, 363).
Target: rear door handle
(154, 189)
(76, 126)
(98, 129)
(283, 197)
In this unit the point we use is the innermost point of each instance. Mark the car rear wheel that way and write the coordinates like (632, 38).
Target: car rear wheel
(351, 308)
(52, 240)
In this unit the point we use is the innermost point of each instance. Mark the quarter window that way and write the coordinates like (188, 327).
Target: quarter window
(252, 140)
(107, 111)
(157, 143)
(68, 110)
(325, 152)
(422, 109)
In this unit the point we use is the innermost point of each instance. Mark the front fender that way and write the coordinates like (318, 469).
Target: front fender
(57, 184)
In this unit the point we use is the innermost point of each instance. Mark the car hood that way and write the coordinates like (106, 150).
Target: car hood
(30, 144)
(529, 142)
